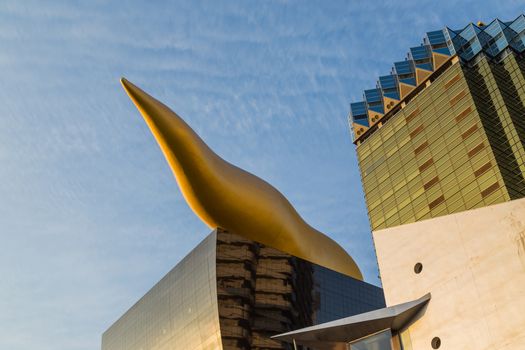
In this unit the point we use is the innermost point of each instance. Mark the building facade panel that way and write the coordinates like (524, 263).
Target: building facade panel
(473, 264)
(179, 311)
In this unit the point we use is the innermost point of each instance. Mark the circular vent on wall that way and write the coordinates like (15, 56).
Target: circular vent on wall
(436, 343)
(418, 268)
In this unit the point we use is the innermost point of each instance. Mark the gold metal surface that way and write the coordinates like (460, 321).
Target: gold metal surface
(225, 196)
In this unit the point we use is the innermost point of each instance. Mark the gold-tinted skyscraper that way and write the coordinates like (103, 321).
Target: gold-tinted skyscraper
(445, 131)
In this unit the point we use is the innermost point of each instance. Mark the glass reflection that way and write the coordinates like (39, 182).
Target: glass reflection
(378, 341)
(263, 291)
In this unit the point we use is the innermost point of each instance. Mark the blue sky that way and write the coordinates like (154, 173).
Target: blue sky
(90, 215)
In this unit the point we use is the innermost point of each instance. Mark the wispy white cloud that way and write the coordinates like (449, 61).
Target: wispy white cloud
(90, 215)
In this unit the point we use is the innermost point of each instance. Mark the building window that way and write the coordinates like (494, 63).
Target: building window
(463, 114)
(458, 97)
(469, 132)
(412, 115)
(436, 202)
(378, 341)
(452, 81)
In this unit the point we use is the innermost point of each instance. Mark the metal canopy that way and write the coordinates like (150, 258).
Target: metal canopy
(336, 334)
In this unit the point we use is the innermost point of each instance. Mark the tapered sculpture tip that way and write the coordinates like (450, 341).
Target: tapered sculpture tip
(133, 91)
(128, 86)
(146, 104)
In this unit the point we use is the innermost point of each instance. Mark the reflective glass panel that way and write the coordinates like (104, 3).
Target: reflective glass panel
(378, 341)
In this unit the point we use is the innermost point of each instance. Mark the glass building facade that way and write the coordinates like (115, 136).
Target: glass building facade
(179, 312)
(234, 293)
(454, 140)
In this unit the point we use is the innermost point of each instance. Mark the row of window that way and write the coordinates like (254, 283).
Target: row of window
(434, 157)
(434, 129)
(421, 101)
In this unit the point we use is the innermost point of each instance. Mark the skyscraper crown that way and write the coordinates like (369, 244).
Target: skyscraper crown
(438, 48)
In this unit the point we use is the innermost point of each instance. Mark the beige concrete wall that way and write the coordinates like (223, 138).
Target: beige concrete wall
(474, 266)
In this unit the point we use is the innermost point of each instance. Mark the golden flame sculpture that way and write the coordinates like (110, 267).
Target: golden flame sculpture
(225, 196)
